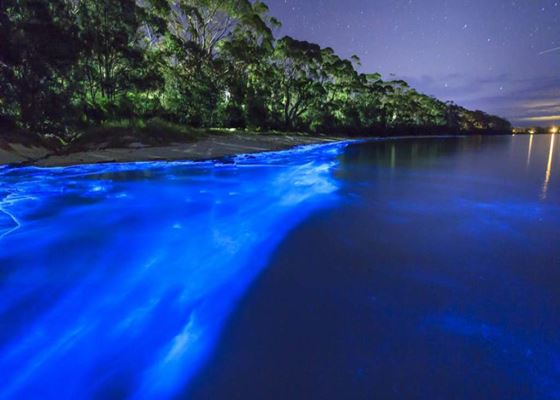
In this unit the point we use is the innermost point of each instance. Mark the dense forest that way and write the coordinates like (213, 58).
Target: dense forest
(69, 65)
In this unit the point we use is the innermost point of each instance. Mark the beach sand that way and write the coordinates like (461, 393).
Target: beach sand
(211, 147)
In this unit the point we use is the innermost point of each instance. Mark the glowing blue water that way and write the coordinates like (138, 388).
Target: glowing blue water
(116, 279)
(435, 276)
(420, 268)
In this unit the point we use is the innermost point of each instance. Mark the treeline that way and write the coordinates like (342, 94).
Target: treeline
(69, 64)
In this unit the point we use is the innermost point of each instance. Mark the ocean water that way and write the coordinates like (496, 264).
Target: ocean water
(416, 268)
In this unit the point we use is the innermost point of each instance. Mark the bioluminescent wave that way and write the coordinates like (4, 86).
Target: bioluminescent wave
(414, 268)
(115, 280)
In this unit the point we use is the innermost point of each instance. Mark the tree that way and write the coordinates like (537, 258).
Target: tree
(245, 58)
(37, 54)
(69, 64)
(194, 44)
(298, 77)
(110, 56)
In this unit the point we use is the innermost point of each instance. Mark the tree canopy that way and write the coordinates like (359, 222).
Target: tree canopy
(69, 64)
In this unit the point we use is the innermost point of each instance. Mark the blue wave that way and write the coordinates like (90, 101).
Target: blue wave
(116, 279)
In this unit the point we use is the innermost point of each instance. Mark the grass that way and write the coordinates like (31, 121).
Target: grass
(123, 133)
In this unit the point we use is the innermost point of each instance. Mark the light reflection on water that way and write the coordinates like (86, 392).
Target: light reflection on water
(530, 151)
(116, 279)
(548, 166)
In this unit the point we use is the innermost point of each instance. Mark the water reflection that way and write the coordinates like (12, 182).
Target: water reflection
(530, 152)
(548, 167)
(416, 152)
(537, 151)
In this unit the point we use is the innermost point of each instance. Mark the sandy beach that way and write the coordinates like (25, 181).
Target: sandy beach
(211, 147)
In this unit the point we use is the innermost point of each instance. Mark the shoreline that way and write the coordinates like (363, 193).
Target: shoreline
(209, 148)
(213, 147)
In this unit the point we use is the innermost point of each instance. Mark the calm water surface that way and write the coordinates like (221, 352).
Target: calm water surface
(417, 268)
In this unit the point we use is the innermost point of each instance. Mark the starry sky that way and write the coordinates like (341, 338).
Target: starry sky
(500, 56)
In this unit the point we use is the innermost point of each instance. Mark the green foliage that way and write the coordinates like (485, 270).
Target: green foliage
(111, 59)
(37, 54)
(71, 65)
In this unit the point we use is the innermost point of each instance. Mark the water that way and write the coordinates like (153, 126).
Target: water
(418, 268)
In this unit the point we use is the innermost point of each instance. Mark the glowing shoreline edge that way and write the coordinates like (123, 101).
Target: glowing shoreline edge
(125, 165)
(192, 270)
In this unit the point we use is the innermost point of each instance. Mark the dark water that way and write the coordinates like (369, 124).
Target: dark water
(418, 268)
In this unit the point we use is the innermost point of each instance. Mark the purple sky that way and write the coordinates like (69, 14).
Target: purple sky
(482, 54)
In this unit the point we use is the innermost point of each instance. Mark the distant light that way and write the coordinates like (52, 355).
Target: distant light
(532, 131)
(554, 129)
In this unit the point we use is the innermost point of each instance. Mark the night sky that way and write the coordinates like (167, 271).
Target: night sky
(501, 56)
